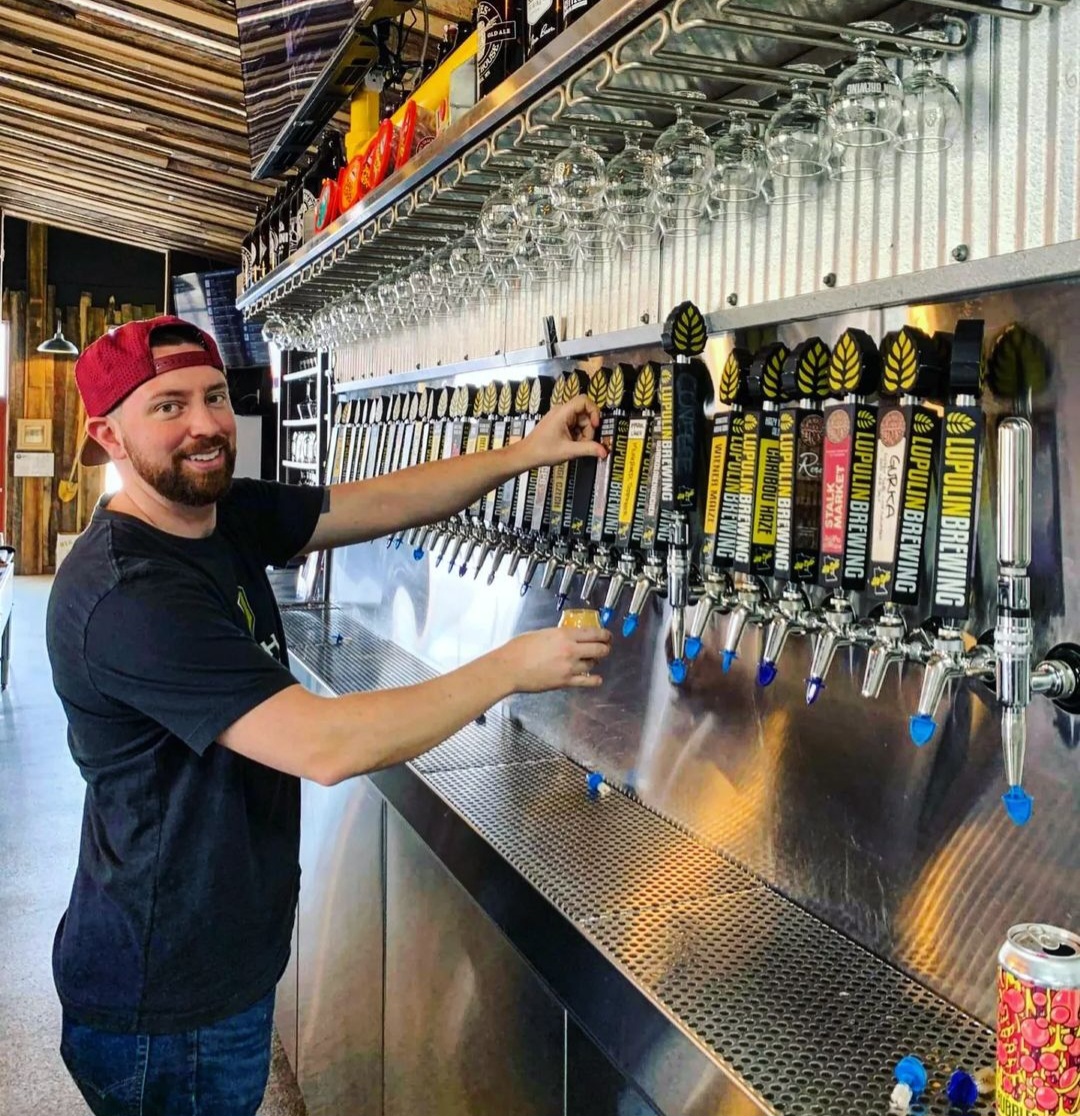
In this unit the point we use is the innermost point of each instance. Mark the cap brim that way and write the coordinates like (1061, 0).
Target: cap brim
(92, 452)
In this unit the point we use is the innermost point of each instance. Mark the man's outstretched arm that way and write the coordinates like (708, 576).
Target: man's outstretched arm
(436, 490)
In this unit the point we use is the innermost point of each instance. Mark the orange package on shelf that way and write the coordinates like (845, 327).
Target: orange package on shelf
(351, 188)
(380, 157)
(418, 128)
(328, 207)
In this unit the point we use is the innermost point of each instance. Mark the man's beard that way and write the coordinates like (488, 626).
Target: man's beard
(182, 486)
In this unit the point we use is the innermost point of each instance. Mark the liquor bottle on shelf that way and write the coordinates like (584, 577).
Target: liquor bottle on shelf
(543, 21)
(501, 40)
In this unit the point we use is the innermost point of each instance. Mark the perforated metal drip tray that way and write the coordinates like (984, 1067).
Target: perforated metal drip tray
(804, 1019)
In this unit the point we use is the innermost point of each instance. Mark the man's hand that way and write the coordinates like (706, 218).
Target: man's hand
(554, 658)
(565, 432)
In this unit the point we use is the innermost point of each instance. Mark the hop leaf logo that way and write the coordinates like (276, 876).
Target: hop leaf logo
(1019, 360)
(442, 408)
(616, 387)
(598, 387)
(506, 399)
(774, 366)
(535, 396)
(574, 385)
(787, 422)
(923, 424)
(750, 424)
(491, 398)
(645, 388)
(812, 375)
(901, 366)
(864, 420)
(522, 396)
(730, 379)
(959, 423)
(846, 367)
(737, 424)
(686, 334)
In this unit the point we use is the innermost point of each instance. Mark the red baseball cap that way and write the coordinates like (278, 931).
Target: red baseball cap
(111, 368)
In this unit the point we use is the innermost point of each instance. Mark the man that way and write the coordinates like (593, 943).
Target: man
(169, 656)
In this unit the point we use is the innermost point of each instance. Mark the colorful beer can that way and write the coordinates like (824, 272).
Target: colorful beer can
(1038, 1022)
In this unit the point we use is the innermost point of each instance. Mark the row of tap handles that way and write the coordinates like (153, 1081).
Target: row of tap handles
(825, 478)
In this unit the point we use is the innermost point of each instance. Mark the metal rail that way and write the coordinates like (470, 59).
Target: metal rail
(622, 65)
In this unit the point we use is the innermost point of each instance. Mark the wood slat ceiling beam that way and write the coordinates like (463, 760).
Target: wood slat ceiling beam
(126, 118)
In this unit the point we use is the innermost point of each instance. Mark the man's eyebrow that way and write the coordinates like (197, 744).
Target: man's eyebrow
(183, 393)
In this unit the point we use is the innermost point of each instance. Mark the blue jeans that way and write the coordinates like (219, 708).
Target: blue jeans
(219, 1070)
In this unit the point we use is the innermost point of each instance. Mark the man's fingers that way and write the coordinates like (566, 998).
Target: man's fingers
(584, 413)
(589, 449)
(588, 681)
(584, 636)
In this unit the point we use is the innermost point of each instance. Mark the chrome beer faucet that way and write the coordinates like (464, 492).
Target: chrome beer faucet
(716, 594)
(649, 580)
(949, 660)
(626, 571)
(577, 562)
(602, 565)
(1058, 675)
(838, 627)
(792, 614)
(753, 608)
(892, 644)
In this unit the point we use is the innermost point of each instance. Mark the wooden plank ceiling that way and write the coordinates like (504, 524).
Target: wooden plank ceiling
(126, 119)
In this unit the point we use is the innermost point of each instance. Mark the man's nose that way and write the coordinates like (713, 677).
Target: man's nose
(204, 421)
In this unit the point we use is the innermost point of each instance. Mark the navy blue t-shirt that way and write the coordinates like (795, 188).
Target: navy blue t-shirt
(182, 908)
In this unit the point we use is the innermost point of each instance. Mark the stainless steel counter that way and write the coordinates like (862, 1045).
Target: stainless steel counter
(704, 986)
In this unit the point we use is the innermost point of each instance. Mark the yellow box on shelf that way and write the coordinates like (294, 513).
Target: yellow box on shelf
(433, 95)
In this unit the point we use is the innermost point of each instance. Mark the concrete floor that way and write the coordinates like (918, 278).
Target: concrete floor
(41, 795)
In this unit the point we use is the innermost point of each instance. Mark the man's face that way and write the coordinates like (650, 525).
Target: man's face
(179, 432)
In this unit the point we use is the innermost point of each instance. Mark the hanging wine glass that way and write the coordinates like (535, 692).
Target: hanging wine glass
(578, 185)
(798, 140)
(546, 225)
(741, 167)
(932, 115)
(866, 99)
(680, 169)
(532, 199)
(630, 195)
(498, 226)
(466, 266)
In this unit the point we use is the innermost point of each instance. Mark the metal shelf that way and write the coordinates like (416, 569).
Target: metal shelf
(589, 35)
(300, 422)
(626, 65)
(309, 466)
(300, 374)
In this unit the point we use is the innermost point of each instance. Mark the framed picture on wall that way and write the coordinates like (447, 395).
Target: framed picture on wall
(34, 434)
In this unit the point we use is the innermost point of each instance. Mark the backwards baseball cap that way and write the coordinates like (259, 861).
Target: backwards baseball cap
(111, 368)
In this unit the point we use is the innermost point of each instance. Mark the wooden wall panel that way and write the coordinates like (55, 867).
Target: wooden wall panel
(15, 315)
(41, 386)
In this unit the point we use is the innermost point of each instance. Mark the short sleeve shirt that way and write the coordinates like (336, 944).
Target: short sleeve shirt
(182, 907)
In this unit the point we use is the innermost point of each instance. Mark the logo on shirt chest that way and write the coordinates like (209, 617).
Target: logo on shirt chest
(271, 646)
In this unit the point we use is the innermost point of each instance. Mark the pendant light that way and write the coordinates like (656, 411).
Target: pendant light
(58, 344)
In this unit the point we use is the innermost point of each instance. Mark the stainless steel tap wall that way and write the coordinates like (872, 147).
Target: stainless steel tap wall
(908, 850)
(1009, 186)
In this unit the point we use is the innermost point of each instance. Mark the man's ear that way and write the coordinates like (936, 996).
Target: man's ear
(103, 430)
